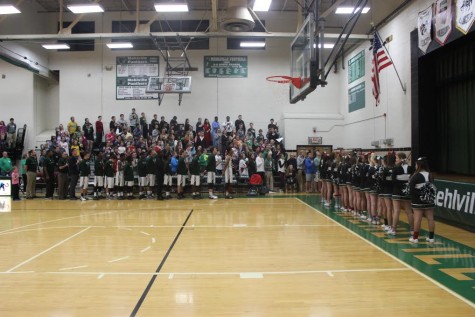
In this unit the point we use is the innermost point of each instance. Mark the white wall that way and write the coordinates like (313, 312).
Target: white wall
(86, 89)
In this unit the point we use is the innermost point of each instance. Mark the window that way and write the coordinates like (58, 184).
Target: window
(79, 28)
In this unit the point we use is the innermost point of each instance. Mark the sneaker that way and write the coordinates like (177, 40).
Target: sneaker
(430, 240)
(82, 198)
(326, 204)
(412, 240)
(387, 228)
(391, 232)
(213, 197)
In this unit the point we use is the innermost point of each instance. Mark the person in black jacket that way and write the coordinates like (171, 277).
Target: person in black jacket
(421, 177)
(73, 170)
(159, 174)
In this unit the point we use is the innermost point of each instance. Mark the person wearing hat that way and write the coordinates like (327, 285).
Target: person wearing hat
(420, 206)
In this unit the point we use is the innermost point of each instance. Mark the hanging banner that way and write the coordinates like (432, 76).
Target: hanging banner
(443, 20)
(464, 15)
(424, 28)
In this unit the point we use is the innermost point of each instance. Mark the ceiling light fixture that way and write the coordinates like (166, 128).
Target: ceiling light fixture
(252, 44)
(85, 8)
(326, 45)
(261, 5)
(349, 10)
(56, 46)
(8, 9)
(120, 45)
(171, 7)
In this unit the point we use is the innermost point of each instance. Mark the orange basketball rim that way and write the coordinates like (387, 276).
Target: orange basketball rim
(296, 81)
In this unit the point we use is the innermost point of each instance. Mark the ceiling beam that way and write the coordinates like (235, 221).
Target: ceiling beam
(131, 36)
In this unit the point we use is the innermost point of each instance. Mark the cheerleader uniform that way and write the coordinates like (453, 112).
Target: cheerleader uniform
(365, 184)
(387, 183)
(335, 173)
(371, 179)
(343, 173)
(415, 185)
(355, 177)
(400, 176)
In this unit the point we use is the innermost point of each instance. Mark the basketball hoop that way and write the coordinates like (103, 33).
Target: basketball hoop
(296, 81)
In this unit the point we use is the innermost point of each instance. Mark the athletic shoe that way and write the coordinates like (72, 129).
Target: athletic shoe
(430, 240)
(412, 240)
(213, 197)
(387, 228)
(391, 232)
(82, 198)
(326, 204)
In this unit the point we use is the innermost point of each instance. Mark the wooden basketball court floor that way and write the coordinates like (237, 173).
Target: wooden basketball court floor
(276, 256)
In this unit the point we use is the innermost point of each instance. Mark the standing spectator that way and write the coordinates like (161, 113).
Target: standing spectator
(144, 125)
(238, 123)
(182, 172)
(133, 120)
(5, 164)
(173, 123)
(72, 126)
(63, 176)
(252, 130)
(122, 121)
(99, 131)
(159, 174)
(300, 170)
(310, 171)
(3, 131)
(11, 133)
(207, 133)
(163, 124)
(281, 169)
(199, 125)
(15, 184)
(272, 125)
(269, 167)
(48, 173)
(228, 173)
(73, 174)
(98, 175)
(214, 129)
(260, 166)
(211, 168)
(228, 127)
(23, 171)
(153, 122)
(88, 131)
(243, 162)
(31, 167)
(113, 124)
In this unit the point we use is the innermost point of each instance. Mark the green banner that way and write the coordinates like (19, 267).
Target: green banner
(455, 202)
(356, 67)
(356, 97)
(225, 66)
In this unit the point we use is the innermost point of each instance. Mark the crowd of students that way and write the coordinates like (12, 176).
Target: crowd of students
(376, 188)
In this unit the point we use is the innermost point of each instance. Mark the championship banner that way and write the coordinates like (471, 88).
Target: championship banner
(424, 28)
(443, 20)
(464, 15)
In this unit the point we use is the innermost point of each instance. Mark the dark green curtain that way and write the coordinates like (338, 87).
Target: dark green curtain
(448, 99)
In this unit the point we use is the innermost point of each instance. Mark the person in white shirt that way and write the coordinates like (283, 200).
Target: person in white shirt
(260, 166)
(228, 127)
(243, 170)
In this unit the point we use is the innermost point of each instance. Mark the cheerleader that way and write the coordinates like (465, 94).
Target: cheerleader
(387, 189)
(344, 179)
(359, 194)
(372, 198)
(365, 188)
(420, 205)
(323, 175)
(400, 176)
(336, 166)
(329, 179)
(350, 183)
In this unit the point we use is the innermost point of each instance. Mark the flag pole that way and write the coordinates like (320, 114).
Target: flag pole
(403, 86)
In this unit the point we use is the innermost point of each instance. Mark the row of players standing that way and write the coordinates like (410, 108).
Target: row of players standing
(375, 187)
(115, 174)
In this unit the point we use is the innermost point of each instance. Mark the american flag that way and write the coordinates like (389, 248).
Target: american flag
(380, 62)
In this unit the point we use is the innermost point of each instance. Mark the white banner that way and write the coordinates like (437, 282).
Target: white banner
(443, 20)
(424, 28)
(464, 15)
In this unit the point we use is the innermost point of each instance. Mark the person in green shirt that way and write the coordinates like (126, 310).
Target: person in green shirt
(48, 173)
(211, 168)
(31, 167)
(195, 175)
(22, 170)
(84, 172)
(182, 172)
(129, 177)
(5, 164)
(151, 161)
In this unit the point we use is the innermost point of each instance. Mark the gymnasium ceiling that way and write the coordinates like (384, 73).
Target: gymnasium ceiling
(380, 9)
